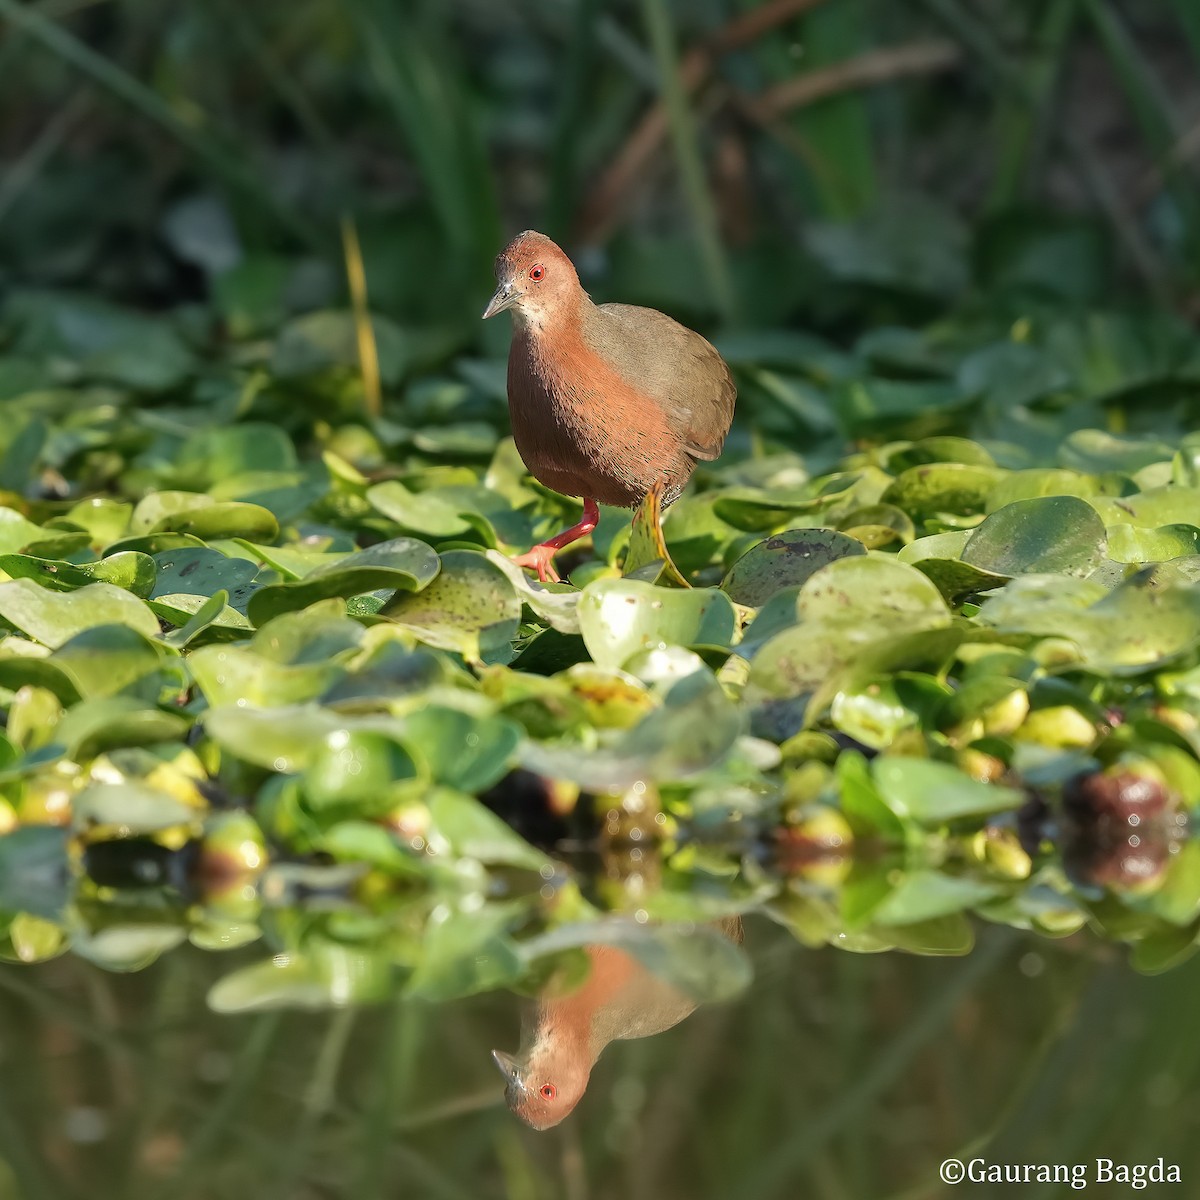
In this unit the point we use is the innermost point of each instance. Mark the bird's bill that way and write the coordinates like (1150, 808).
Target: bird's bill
(506, 296)
(509, 1068)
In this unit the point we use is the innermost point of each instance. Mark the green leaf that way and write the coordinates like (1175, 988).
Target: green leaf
(623, 617)
(53, 618)
(133, 807)
(471, 831)
(785, 560)
(107, 659)
(701, 962)
(926, 895)
(357, 767)
(463, 751)
(935, 793)
(465, 952)
(1052, 535)
(694, 730)
(402, 564)
(471, 607)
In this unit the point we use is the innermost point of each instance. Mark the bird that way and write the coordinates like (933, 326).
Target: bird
(620, 999)
(607, 401)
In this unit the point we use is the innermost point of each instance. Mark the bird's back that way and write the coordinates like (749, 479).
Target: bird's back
(673, 366)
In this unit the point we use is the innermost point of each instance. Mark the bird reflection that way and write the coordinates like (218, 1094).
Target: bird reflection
(564, 1035)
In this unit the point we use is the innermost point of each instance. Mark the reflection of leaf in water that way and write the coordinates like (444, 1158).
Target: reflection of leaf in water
(699, 960)
(34, 876)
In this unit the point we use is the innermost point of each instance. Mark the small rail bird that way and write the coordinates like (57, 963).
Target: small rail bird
(620, 999)
(607, 401)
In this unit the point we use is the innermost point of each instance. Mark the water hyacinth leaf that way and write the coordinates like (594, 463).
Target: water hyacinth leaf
(107, 659)
(927, 491)
(800, 659)
(949, 935)
(357, 841)
(1139, 625)
(22, 670)
(695, 729)
(34, 870)
(465, 952)
(700, 961)
(471, 831)
(425, 513)
(318, 341)
(556, 604)
(870, 403)
(1150, 509)
(287, 494)
(180, 611)
(326, 975)
(779, 613)
(471, 607)
(201, 571)
(53, 618)
(878, 525)
(105, 519)
(214, 454)
(1098, 451)
(861, 803)
(933, 793)
(1135, 544)
(128, 570)
(1049, 605)
(30, 939)
(1178, 900)
(113, 722)
(320, 634)
(16, 532)
(1050, 535)
(200, 516)
(357, 766)
(785, 560)
(131, 807)
(926, 895)
(291, 562)
(957, 580)
(1185, 463)
(622, 617)
(1041, 482)
(207, 614)
(126, 947)
(925, 650)
(756, 509)
(232, 675)
(280, 739)
(647, 545)
(463, 751)
(872, 593)
(873, 715)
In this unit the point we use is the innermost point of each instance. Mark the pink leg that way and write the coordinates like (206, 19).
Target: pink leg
(541, 557)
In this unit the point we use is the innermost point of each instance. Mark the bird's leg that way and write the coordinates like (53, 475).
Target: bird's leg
(541, 557)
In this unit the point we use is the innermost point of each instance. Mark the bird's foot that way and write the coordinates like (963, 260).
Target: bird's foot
(541, 560)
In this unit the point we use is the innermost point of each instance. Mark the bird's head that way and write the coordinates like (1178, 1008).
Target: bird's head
(544, 1089)
(534, 278)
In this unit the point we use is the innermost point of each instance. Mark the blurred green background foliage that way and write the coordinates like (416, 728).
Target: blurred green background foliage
(761, 163)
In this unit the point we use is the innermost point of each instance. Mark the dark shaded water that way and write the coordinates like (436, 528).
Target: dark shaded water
(836, 1075)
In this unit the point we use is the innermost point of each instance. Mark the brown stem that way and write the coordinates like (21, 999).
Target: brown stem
(864, 70)
(648, 135)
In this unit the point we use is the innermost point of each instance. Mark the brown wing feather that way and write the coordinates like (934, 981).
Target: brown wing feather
(672, 365)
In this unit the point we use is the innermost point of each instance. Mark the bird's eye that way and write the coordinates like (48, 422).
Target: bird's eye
(537, 273)
(549, 1091)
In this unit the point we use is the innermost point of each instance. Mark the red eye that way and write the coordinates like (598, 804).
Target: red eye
(548, 1090)
(537, 273)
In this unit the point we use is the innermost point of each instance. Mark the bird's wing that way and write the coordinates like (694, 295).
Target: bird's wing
(672, 365)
